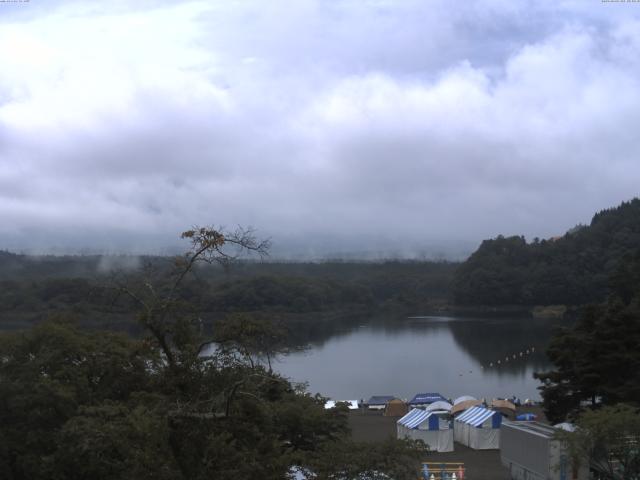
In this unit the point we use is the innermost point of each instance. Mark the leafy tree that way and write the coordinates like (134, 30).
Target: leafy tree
(391, 459)
(48, 374)
(251, 337)
(115, 440)
(608, 439)
(95, 405)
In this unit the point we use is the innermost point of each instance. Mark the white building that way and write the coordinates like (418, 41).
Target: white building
(531, 451)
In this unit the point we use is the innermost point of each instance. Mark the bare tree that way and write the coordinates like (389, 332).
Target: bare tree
(157, 294)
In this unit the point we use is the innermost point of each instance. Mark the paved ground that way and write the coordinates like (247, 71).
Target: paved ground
(371, 426)
(479, 464)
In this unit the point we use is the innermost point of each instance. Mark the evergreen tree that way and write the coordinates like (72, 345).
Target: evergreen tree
(598, 359)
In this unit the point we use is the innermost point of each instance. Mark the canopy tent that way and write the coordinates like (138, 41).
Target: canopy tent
(439, 405)
(478, 428)
(464, 405)
(498, 403)
(505, 407)
(463, 398)
(424, 399)
(395, 408)
(378, 402)
(569, 427)
(351, 404)
(434, 430)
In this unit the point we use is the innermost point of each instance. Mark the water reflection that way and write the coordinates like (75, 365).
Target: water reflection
(401, 356)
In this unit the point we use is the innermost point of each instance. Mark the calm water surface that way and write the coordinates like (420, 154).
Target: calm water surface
(453, 356)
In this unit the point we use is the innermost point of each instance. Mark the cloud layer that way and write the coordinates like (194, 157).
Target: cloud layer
(331, 126)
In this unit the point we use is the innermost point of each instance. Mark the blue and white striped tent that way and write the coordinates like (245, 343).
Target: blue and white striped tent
(417, 417)
(478, 428)
(432, 428)
(477, 416)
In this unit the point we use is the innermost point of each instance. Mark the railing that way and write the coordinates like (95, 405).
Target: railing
(443, 471)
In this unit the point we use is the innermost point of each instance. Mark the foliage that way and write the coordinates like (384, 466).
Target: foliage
(48, 374)
(288, 294)
(35, 292)
(609, 439)
(391, 459)
(572, 269)
(598, 360)
(250, 337)
(79, 405)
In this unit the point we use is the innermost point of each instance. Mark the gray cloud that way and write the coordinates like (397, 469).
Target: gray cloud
(381, 126)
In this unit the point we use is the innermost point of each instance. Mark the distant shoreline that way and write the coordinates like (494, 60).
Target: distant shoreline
(532, 311)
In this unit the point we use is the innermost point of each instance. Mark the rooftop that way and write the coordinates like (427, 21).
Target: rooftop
(536, 428)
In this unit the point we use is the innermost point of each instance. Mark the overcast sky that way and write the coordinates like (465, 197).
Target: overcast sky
(331, 126)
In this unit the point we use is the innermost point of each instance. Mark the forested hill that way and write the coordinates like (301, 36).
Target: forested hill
(573, 270)
(33, 288)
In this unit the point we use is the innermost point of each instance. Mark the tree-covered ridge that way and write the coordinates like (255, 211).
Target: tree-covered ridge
(266, 287)
(572, 270)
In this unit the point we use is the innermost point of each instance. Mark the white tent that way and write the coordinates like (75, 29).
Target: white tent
(463, 398)
(439, 405)
(432, 428)
(351, 404)
(478, 428)
(568, 427)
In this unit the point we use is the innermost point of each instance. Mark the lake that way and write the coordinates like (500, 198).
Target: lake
(404, 356)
